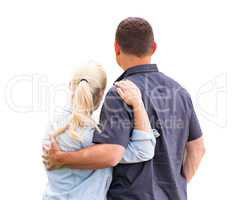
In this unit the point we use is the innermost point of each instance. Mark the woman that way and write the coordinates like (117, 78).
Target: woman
(74, 130)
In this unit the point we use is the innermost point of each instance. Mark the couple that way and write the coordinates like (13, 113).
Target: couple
(149, 143)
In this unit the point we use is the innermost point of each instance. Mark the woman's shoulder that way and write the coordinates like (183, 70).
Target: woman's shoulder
(87, 136)
(68, 142)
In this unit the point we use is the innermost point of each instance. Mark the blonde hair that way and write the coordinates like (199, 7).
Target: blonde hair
(87, 85)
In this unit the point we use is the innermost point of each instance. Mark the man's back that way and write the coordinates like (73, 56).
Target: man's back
(171, 112)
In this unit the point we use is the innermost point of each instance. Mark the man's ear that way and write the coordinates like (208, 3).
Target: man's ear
(117, 48)
(153, 47)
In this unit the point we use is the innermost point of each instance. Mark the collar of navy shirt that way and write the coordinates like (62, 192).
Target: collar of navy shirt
(146, 68)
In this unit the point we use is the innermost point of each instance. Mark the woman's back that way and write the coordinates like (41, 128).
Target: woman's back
(70, 184)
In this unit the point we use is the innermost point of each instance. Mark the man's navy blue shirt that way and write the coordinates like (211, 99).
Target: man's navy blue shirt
(171, 112)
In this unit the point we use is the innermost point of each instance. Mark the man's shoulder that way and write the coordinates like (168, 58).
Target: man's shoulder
(112, 96)
(174, 84)
(113, 103)
(112, 92)
(158, 80)
(179, 92)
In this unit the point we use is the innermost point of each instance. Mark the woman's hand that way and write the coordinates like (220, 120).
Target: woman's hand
(129, 92)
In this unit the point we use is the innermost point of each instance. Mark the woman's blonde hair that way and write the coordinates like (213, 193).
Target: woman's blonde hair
(88, 85)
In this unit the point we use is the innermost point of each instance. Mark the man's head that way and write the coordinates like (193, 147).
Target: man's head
(134, 42)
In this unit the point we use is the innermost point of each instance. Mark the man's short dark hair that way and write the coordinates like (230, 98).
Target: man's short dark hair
(135, 36)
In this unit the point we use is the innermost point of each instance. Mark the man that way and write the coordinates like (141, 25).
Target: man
(179, 148)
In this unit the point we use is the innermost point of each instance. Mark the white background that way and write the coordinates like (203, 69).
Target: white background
(41, 43)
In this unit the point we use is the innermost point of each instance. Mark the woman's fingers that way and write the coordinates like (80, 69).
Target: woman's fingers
(120, 92)
(120, 85)
(123, 85)
(124, 91)
(122, 88)
(127, 84)
(128, 87)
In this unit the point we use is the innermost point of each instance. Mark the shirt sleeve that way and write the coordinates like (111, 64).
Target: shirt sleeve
(195, 131)
(116, 121)
(141, 147)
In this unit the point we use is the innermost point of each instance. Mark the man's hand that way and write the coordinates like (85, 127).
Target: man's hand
(52, 155)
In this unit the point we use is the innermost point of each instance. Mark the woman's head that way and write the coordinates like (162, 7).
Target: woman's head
(87, 86)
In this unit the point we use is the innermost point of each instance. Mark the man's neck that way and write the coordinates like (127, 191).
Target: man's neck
(134, 61)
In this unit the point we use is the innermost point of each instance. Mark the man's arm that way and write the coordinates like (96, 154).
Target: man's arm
(110, 145)
(93, 157)
(195, 148)
(195, 151)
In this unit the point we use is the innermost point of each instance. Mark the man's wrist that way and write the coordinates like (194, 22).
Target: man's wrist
(60, 158)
